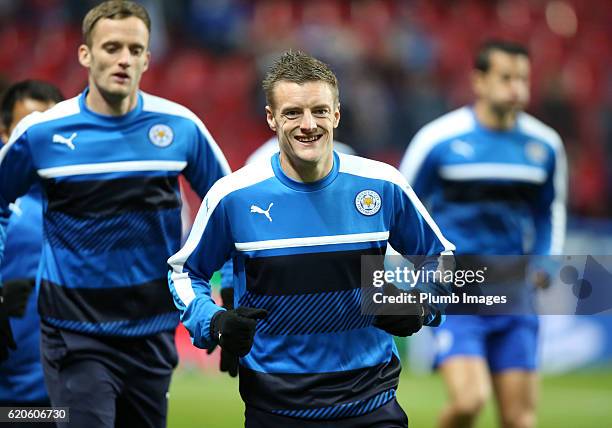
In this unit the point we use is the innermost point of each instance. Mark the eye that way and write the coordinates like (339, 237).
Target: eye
(137, 51)
(111, 48)
(291, 114)
(320, 112)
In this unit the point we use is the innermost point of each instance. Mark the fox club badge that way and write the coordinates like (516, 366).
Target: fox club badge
(536, 152)
(368, 202)
(161, 135)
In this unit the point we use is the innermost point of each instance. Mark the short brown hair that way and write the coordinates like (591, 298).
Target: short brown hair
(298, 67)
(113, 9)
(482, 61)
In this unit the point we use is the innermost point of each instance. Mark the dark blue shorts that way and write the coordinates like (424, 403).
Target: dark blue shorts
(391, 415)
(506, 342)
(109, 381)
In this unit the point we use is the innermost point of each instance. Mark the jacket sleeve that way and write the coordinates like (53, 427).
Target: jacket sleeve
(419, 164)
(549, 210)
(415, 235)
(17, 174)
(207, 248)
(205, 163)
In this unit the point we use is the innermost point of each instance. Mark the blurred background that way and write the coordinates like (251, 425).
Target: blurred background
(400, 65)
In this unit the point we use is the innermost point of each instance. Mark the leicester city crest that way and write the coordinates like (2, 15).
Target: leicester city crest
(161, 135)
(368, 202)
(536, 152)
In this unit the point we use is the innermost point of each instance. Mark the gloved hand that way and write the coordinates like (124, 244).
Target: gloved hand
(227, 301)
(235, 329)
(540, 279)
(400, 319)
(6, 334)
(16, 293)
(229, 361)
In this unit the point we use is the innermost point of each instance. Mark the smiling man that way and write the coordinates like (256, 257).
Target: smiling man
(296, 226)
(108, 161)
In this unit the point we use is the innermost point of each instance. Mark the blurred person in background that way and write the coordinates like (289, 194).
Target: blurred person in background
(491, 176)
(21, 376)
(108, 161)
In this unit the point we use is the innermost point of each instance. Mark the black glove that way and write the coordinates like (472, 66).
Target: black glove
(235, 329)
(227, 301)
(541, 279)
(229, 361)
(16, 293)
(400, 319)
(6, 334)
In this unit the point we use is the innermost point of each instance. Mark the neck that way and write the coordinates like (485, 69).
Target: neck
(109, 104)
(492, 118)
(306, 172)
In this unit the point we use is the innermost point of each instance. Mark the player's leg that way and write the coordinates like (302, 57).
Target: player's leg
(148, 363)
(89, 390)
(78, 381)
(516, 392)
(144, 403)
(513, 353)
(468, 386)
(460, 358)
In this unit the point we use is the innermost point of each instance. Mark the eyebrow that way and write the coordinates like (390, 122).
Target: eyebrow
(289, 108)
(118, 43)
(294, 107)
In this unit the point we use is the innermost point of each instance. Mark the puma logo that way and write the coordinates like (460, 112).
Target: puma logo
(462, 148)
(63, 140)
(256, 209)
(16, 209)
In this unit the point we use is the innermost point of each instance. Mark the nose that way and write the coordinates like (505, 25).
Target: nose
(124, 58)
(518, 87)
(308, 123)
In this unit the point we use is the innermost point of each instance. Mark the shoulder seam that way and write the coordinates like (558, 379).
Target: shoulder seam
(217, 193)
(534, 127)
(178, 110)
(66, 108)
(432, 135)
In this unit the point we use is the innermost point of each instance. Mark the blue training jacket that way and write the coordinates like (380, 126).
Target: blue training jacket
(111, 208)
(296, 250)
(491, 192)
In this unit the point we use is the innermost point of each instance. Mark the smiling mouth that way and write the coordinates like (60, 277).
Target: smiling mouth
(308, 139)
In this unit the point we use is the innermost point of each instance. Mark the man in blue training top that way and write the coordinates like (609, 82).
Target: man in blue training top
(296, 226)
(21, 376)
(108, 161)
(492, 176)
(229, 363)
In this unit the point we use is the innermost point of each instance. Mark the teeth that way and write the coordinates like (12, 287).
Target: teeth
(308, 139)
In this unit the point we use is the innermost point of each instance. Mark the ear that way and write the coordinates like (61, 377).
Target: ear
(147, 61)
(337, 116)
(477, 81)
(84, 56)
(270, 119)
